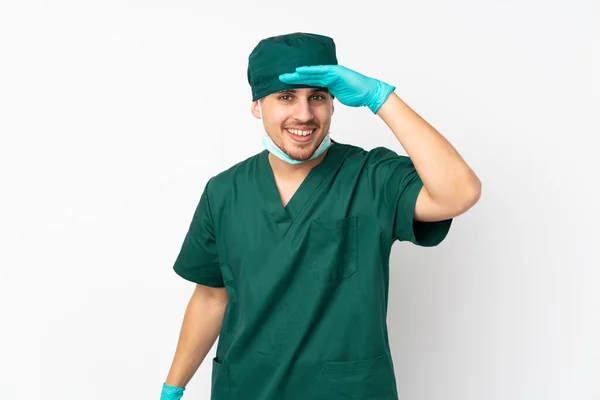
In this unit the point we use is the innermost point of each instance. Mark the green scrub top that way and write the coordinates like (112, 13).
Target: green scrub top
(307, 283)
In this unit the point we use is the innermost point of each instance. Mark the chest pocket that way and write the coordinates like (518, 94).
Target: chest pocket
(333, 249)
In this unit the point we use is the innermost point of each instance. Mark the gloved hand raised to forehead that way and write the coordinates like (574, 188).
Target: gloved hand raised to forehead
(350, 87)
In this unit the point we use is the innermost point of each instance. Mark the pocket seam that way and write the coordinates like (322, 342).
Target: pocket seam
(372, 378)
(332, 225)
(352, 365)
(222, 369)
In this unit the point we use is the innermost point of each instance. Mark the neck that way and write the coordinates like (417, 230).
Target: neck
(283, 169)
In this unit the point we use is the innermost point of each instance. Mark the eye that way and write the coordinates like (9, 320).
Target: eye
(319, 97)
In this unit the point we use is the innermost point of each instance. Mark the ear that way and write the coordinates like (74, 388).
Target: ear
(332, 107)
(255, 110)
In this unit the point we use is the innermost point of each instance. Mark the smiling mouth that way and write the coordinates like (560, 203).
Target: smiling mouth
(300, 132)
(300, 136)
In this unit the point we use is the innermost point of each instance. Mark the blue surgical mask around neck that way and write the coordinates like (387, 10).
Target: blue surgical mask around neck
(277, 152)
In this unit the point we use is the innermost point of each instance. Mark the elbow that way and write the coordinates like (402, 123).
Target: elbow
(466, 196)
(471, 194)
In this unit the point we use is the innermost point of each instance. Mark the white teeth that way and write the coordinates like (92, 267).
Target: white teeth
(300, 133)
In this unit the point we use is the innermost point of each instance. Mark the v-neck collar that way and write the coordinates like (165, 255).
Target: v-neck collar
(284, 216)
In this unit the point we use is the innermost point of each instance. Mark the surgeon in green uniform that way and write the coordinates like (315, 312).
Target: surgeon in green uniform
(289, 249)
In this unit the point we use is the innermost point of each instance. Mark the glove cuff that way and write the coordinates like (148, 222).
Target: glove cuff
(382, 91)
(171, 392)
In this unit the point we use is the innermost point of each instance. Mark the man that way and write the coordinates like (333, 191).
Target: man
(289, 249)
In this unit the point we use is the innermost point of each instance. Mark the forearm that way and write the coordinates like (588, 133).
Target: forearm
(200, 328)
(446, 176)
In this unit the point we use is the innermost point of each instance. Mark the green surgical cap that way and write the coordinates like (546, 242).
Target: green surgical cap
(277, 55)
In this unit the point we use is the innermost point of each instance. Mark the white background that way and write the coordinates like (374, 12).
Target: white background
(114, 114)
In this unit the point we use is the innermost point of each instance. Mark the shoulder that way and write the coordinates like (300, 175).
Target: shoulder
(237, 173)
(357, 152)
(382, 154)
(380, 159)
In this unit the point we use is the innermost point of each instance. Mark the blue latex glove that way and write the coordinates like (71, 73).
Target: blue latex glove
(350, 87)
(171, 392)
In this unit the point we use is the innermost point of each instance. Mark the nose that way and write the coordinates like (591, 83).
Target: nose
(303, 110)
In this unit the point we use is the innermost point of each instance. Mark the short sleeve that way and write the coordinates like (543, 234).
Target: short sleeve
(395, 185)
(198, 260)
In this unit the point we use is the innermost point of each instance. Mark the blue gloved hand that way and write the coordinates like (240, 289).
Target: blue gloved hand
(171, 392)
(350, 87)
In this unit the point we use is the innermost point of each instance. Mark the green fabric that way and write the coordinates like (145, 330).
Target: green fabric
(277, 55)
(307, 283)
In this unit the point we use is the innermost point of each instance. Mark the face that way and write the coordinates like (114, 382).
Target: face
(296, 120)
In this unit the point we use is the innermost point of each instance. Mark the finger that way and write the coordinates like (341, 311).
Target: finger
(288, 76)
(302, 75)
(314, 69)
(302, 79)
(309, 82)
